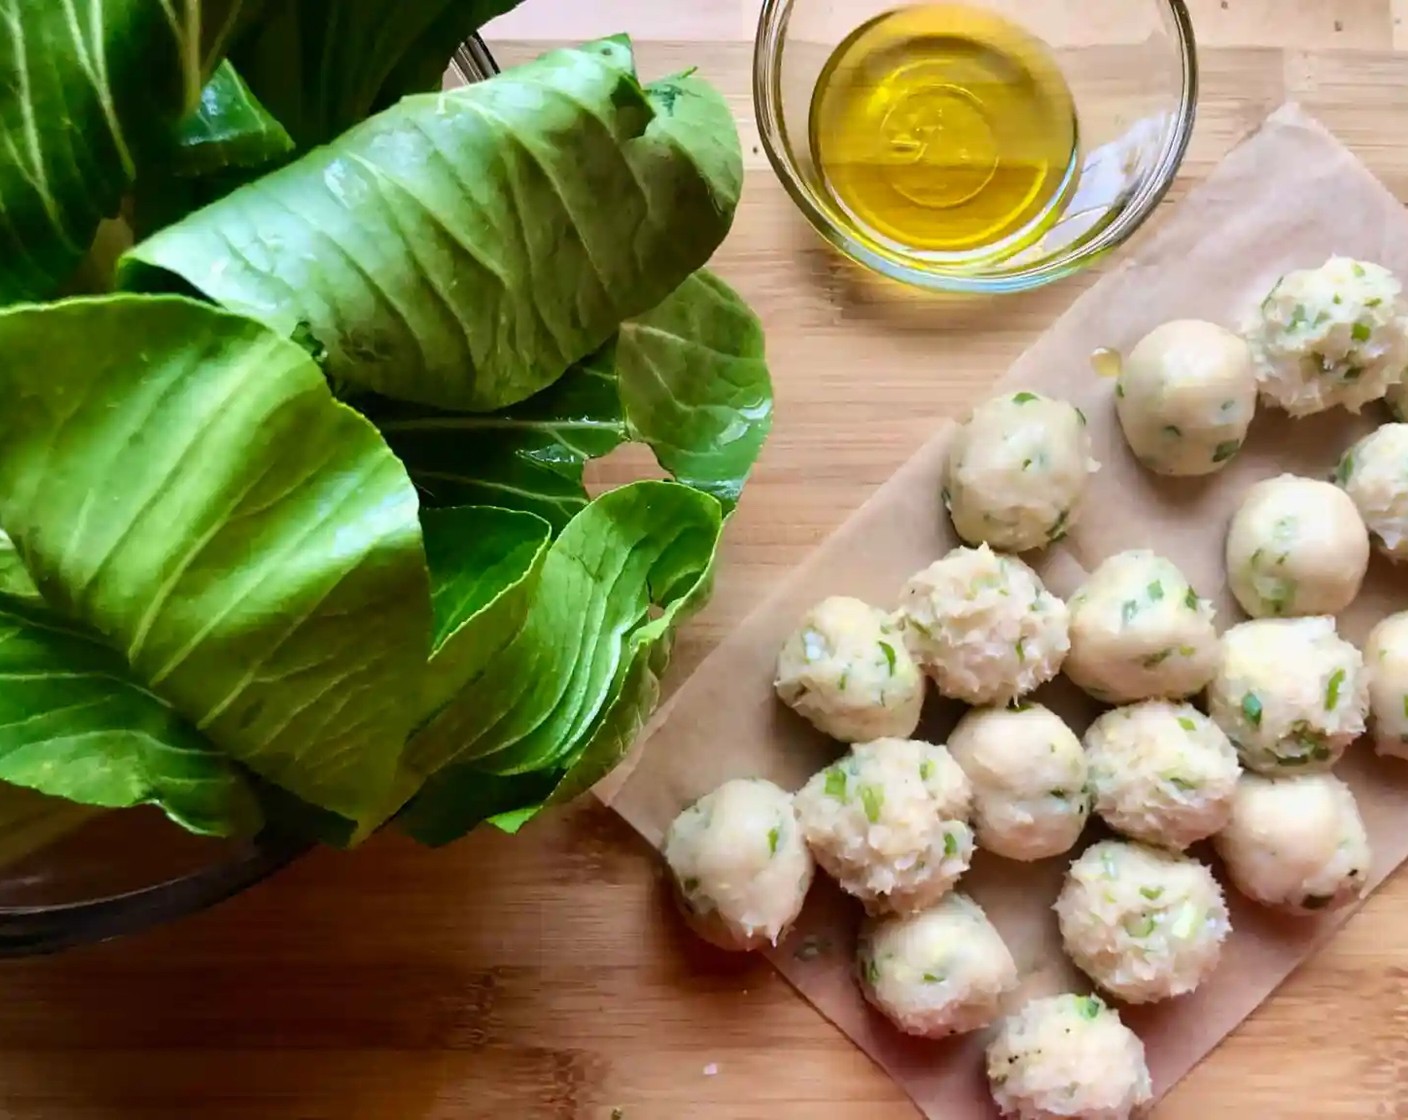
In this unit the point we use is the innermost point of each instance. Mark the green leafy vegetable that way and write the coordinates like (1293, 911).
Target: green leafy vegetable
(565, 698)
(323, 66)
(705, 417)
(453, 249)
(74, 724)
(229, 128)
(484, 568)
(1251, 709)
(246, 593)
(91, 89)
(1344, 469)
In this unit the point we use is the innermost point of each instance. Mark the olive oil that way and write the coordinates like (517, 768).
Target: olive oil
(946, 130)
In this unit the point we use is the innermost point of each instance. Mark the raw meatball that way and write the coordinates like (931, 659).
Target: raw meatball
(848, 670)
(1144, 924)
(1068, 1057)
(1386, 665)
(1289, 693)
(1374, 473)
(1186, 397)
(740, 864)
(1029, 777)
(983, 626)
(1297, 546)
(1139, 631)
(1297, 843)
(937, 973)
(889, 822)
(1162, 773)
(1333, 335)
(1017, 470)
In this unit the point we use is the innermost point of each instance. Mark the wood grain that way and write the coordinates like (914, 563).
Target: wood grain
(543, 976)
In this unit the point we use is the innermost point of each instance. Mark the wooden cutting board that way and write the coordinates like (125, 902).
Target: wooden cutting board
(543, 976)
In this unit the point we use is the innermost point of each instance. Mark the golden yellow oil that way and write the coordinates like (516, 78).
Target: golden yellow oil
(947, 130)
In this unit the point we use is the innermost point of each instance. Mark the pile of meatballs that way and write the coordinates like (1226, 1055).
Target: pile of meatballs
(896, 820)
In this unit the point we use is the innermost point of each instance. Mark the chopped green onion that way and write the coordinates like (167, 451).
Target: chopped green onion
(1156, 591)
(1332, 690)
(1083, 420)
(1187, 724)
(1129, 610)
(1251, 709)
(1182, 783)
(870, 969)
(1059, 530)
(889, 651)
(1023, 398)
(926, 769)
(1362, 332)
(1151, 893)
(1357, 269)
(1299, 316)
(1344, 469)
(1119, 388)
(1090, 1007)
(1172, 430)
(774, 835)
(873, 798)
(1141, 926)
(1225, 451)
(950, 844)
(1154, 660)
(836, 783)
(1191, 600)
(845, 679)
(1022, 649)
(933, 978)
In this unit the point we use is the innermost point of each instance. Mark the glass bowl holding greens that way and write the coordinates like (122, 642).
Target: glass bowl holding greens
(305, 358)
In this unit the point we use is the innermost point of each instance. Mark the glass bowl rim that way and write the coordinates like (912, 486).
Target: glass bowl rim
(773, 21)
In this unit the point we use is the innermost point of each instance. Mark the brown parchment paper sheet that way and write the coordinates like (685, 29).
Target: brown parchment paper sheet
(1287, 198)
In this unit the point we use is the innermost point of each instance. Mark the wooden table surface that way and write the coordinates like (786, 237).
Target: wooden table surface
(541, 976)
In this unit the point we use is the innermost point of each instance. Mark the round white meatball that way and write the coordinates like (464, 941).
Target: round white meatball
(1139, 632)
(1186, 397)
(1144, 924)
(1374, 473)
(889, 823)
(740, 864)
(1296, 843)
(1296, 546)
(1386, 665)
(1289, 693)
(1068, 1057)
(983, 626)
(940, 972)
(1029, 780)
(1328, 336)
(1161, 773)
(1017, 471)
(848, 671)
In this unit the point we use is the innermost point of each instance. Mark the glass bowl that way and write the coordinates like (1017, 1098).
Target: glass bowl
(1131, 67)
(110, 874)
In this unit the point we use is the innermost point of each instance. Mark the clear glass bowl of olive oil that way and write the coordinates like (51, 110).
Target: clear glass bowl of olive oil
(980, 145)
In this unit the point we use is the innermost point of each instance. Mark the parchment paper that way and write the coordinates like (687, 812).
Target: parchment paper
(1287, 198)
